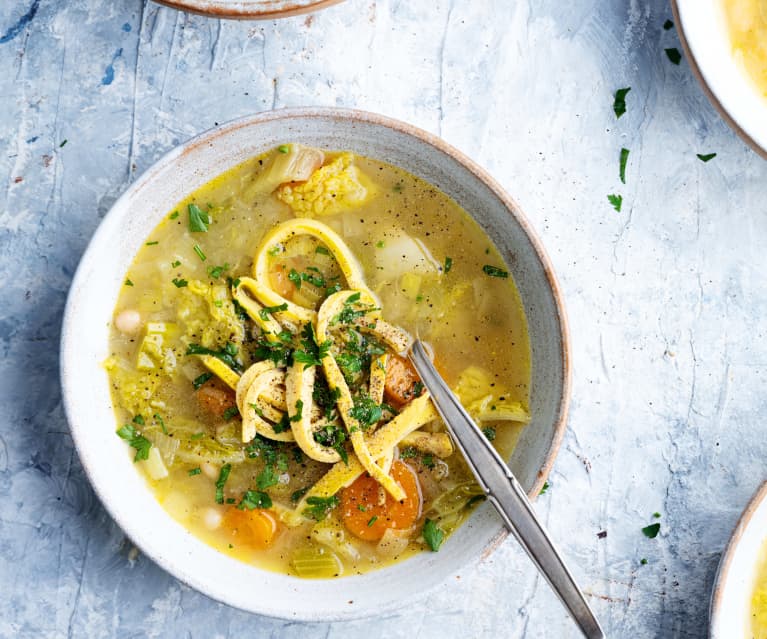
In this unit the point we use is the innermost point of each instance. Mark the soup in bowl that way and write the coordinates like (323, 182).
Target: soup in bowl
(247, 356)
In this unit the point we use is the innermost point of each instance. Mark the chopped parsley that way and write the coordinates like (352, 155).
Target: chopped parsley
(372, 520)
(366, 411)
(175, 264)
(128, 282)
(489, 432)
(448, 265)
(160, 421)
(545, 488)
(651, 531)
(198, 221)
(199, 252)
(361, 508)
(283, 148)
(333, 436)
(299, 411)
(63, 142)
(255, 499)
(433, 535)
(226, 355)
(279, 353)
(138, 419)
(197, 436)
(194, 471)
(265, 312)
(294, 277)
(380, 244)
(135, 440)
(428, 461)
(674, 55)
(179, 282)
(201, 379)
(619, 104)
(705, 157)
(173, 215)
(230, 412)
(151, 243)
(266, 478)
(322, 250)
(223, 475)
(217, 271)
(319, 507)
(643, 561)
(656, 515)
(623, 160)
(616, 201)
(494, 271)
(324, 397)
(299, 493)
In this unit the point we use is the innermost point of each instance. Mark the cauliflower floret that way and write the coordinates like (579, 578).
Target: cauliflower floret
(333, 188)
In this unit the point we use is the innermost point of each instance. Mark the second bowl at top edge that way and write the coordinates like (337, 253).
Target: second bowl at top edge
(249, 9)
(92, 300)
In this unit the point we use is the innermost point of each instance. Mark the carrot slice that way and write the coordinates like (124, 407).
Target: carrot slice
(255, 528)
(216, 398)
(368, 519)
(401, 383)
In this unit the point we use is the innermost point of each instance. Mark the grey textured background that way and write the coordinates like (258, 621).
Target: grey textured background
(665, 298)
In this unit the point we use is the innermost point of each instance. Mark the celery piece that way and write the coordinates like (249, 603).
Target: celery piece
(315, 562)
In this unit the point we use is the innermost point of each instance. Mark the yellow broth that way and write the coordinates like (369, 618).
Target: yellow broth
(747, 25)
(468, 317)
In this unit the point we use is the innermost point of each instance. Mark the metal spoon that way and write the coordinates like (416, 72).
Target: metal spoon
(505, 493)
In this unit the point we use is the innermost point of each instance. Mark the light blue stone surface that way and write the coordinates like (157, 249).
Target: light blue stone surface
(667, 300)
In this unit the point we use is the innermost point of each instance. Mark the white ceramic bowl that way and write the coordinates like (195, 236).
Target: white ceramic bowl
(736, 577)
(702, 28)
(249, 9)
(93, 296)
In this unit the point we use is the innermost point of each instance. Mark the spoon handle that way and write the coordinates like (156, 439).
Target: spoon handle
(505, 493)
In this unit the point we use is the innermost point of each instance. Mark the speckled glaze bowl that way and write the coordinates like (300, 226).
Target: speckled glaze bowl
(702, 29)
(93, 296)
(733, 587)
(249, 9)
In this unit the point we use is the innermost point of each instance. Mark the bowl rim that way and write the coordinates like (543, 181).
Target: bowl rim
(707, 89)
(177, 154)
(246, 10)
(725, 563)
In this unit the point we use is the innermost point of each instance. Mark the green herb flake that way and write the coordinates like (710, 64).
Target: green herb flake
(201, 379)
(448, 265)
(372, 520)
(175, 264)
(623, 160)
(545, 488)
(63, 142)
(180, 282)
(428, 461)
(489, 432)
(366, 411)
(128, 282)
(433, 535)
(198, 221)
(668, 25)
(616, 201)
(651, 531)
(494, 271)
(173, 215)
(319, 507)
(151, 243)
(230, 413)
(380, 244)
(160, 421)
(197, 436)
(283, 148)
(643, 561)
(299, 411)
(294, 277)
(138, 419)
(361, 508)
(705, 157)
(619, 103)
(674, 55)
(226, 355)
(266, 478)
(296, 495)
(217, 271)
(255, 499)
(656, 515)
(199, 252)
(223, 475)
(142, 445)
(265, 312)
(194, 471)
(322, 250)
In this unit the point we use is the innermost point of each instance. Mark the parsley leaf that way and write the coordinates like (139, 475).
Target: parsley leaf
(448, 265)
(265, 312)
(299, 411)
(201, 379)
(199, 252)
(266, 478)
(494, 271)
(624, 159)
(366, 411)
(651, 531)
(255, 499)
(226, 355)
(706, 157)
(333, 436)
(194, 471)
(230, 412)
(619, 104)
(489, 432)
(294, 277)
(180, 283)
(135, 440)
(217, 271)
(198, 221)
(433, 535)
(319, 507)
(221, 482)
(128, 282)
(160, 421)
(616, 201)
(545, 488)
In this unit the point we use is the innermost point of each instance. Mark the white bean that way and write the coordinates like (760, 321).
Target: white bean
(128, 321)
